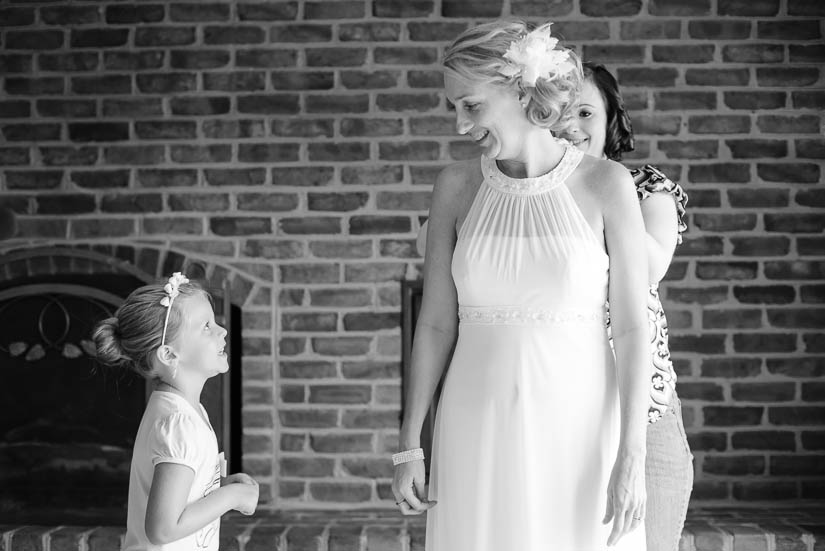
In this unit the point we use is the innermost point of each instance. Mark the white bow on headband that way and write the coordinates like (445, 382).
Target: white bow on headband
(172, 290)
(534, 56)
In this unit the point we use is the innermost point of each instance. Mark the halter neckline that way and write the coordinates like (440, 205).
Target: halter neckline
(537, 184)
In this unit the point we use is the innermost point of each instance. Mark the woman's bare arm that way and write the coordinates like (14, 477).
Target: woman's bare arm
(662, 228)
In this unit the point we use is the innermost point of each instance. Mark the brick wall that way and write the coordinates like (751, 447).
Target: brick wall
(292, 145)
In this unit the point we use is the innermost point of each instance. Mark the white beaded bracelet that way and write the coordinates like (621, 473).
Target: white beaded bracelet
(406, 456)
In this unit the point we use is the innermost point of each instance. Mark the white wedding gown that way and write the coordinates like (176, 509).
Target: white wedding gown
(528, 421)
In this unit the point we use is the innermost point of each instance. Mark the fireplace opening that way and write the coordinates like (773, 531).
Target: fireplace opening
(67, 423)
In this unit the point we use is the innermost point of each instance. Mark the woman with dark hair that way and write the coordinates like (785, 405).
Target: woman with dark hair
(602, 129)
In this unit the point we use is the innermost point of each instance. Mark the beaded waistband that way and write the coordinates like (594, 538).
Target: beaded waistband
(522, 315)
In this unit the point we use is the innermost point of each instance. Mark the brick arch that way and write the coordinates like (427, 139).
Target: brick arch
(146, 262)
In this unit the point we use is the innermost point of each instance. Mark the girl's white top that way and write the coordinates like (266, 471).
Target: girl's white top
(172, 431)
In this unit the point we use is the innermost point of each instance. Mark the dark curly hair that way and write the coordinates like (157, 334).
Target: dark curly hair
(619, 135)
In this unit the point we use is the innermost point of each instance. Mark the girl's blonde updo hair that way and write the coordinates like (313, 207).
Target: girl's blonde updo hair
(477, 54)
(130, 338)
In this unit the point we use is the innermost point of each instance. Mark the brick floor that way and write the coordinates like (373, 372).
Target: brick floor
(758, 529)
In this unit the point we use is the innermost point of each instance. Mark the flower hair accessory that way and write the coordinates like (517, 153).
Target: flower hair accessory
(172, 290)
(534, 56)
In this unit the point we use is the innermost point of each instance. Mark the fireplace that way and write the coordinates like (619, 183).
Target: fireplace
(67, 424)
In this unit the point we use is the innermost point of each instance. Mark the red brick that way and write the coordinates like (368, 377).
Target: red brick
(808, 99)
(683, 54)
(737, 173)
(810, 148)
(808, 318)
(764, 491)
(754, 100)
(308, 418)
(746, 7)
(358, 103)
(751, 198)
(679, 7)
(431, 31)
(263, 153)
(764, 342)
(201, 11)
(764, 440)
(725, 416)
(99, 38)
(150, 13)
(344, 297)
(369, 32)
(140, 203)
(760, 246)
(16, 17)
(794, 223)
(335, 57)
(425, 79)
(34, 86)
(69, 62)
(753, 53)
(373, 419)
(240, 226)
(334, 9)
(731, 319)
(309, 273)
(15, 156)
(812, 293)
(274, 58)
(133, 108)
(707, 343)
(763, 392)
(753, 149)
(719, 124)
(159, 178)
(177, 225)
(341, 249)
(281, 249)
(805, 367)
(805, 7)
(164, 36)
(697, 295)
(34, 40)
(16, 63)
(341, 346)
(610, 8)
(31, 132)
(647, 77)
(307, 370)
(302, 176)
(408, 151)
(717, 77)
(339, 151)
(615, 53)
(199, 202)
(813, 392)
(649, 30)
(708, 392)
(300, 33)
(734, 465)
(407, 102)
(787, 76)
(340, 394)
(695, 149)
(790, 29)
(200, 154)
(724, 222)
(795, 270)
(270, 104)
(810, 197)
(337, 201)
(303, 128)
(801, 415)
(310, 225)
(728, 368)
(718, 29)
(726, 270)
(372, 224)
(788, 124)
(41, 179)
(405, 56)
(340, 492)
(372, 127)
(479, 8)
(369, 79)
(105, 539)
(267, 11)
(374, 272)
(372, 175)
(707, 441)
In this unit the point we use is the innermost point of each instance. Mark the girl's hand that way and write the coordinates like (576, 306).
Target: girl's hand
(409, 489)
(247, 493)
(241, 478)
(626, 497)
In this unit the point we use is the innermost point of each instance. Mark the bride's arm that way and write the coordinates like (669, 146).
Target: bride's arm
(625, 239)
(436, 328)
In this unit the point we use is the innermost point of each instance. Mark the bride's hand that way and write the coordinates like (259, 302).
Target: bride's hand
(626, 497)
(408, 488)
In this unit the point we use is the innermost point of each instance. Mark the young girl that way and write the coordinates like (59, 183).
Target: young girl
(168, 333)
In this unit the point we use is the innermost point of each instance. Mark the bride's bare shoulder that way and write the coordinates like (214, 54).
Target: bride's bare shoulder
(603, 180)
(458, 181)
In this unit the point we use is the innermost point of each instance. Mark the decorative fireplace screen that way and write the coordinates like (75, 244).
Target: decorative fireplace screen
(67, 424)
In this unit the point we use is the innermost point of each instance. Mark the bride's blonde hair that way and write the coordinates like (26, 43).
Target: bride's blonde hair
(477, 55)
